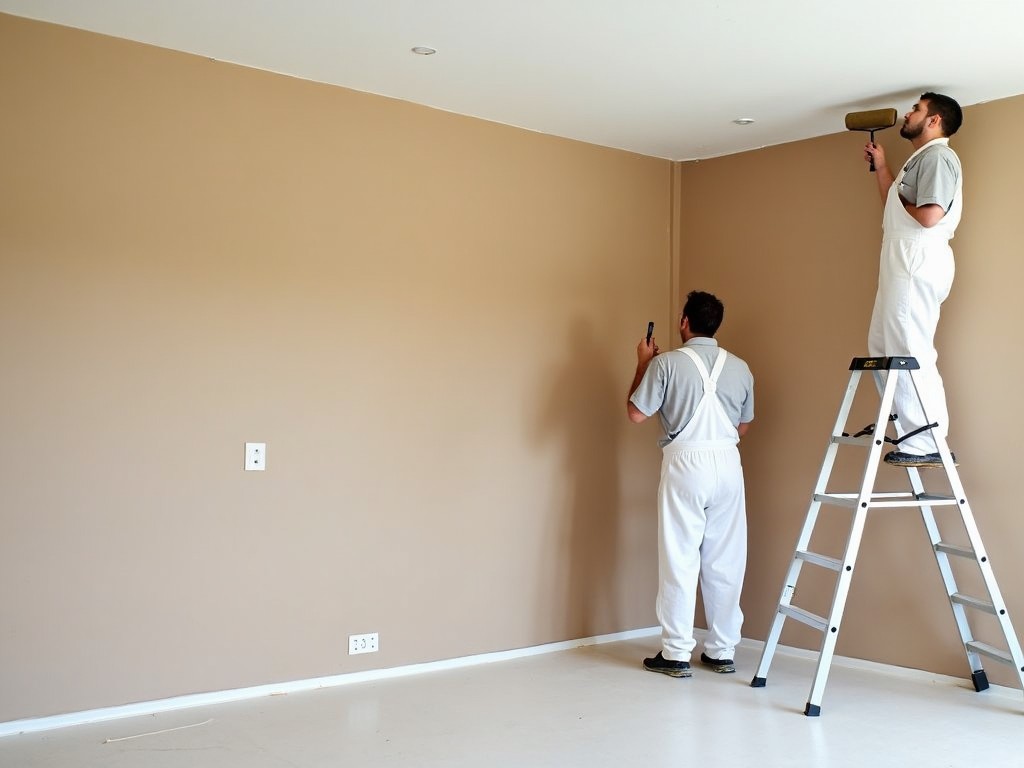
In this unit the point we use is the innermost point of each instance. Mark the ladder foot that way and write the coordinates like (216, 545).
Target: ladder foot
(758, 682)
(980, 680)
(812, 710)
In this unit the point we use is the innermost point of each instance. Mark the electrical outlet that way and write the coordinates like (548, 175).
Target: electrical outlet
(255, 456)
(362, 644)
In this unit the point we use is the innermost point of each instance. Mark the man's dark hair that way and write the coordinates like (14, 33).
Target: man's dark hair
(704, 311)
(946, 108)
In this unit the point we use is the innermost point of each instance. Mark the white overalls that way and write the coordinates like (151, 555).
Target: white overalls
(914, 277)
(702, 527)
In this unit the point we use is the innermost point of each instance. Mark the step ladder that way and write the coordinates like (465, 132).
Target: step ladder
(886, 372)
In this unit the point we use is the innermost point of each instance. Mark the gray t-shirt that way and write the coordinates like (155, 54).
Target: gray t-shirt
(672, 386)
(931, 176)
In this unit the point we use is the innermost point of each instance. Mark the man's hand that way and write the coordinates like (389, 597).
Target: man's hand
(875, 153)
(645, 351)
(884, 177)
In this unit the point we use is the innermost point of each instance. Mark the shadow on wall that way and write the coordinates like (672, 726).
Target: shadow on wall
(583, 414)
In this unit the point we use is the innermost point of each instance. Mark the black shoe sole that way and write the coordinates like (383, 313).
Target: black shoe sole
(920, 464)
(717, 665)
(909, 460)
(671, 672)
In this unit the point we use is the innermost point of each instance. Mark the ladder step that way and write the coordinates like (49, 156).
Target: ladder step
(955, 549)
(973, 602)
(991, 651)
(925, 500)
(849, 440)
(890, 500)
(804, 617)
(821, 560)
(884, 495)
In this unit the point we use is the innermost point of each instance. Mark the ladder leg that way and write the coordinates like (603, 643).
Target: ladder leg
(842, 591)
(835, 617)
(772, 641)
(789, 585)
(996, 605)
(760, 678)
(842, 588)
(978, 676)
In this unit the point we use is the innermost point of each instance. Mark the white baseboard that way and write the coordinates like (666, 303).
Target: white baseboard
(31, 725)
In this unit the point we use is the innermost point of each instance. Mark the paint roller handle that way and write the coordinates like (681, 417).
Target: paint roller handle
(875, 154)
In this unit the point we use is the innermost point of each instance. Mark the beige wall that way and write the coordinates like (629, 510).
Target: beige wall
(430, 320)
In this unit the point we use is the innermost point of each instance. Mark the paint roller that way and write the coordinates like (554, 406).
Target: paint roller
(871, 121)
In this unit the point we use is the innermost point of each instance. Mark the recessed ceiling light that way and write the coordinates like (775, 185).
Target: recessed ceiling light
(422, 50)
(743, 120)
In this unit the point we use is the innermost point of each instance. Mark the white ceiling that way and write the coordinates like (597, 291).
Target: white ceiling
(660, 77)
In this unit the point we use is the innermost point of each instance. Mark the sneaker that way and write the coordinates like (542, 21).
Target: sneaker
(668, 667)
(901, 459)
(718, 665)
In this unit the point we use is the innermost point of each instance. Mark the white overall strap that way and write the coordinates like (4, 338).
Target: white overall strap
(701, 368)
(712, 389)
(710, 380)
(719, 365)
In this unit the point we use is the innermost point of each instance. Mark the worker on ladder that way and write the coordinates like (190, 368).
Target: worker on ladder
(922, 209)
(705, 399)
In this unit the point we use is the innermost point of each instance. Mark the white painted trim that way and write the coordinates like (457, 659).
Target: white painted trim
(32, 725)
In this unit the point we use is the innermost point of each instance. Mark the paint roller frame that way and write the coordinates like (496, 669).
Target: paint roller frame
(871, 121)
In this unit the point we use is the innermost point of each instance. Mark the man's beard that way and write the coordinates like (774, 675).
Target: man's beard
(908, 132)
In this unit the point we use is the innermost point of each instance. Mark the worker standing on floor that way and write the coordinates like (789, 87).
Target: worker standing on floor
(705, 399)
(922, 210)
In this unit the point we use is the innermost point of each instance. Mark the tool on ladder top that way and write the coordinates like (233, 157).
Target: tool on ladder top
(886, 371)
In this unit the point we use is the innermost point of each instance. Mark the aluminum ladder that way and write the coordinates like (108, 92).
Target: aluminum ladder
(886, 371)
